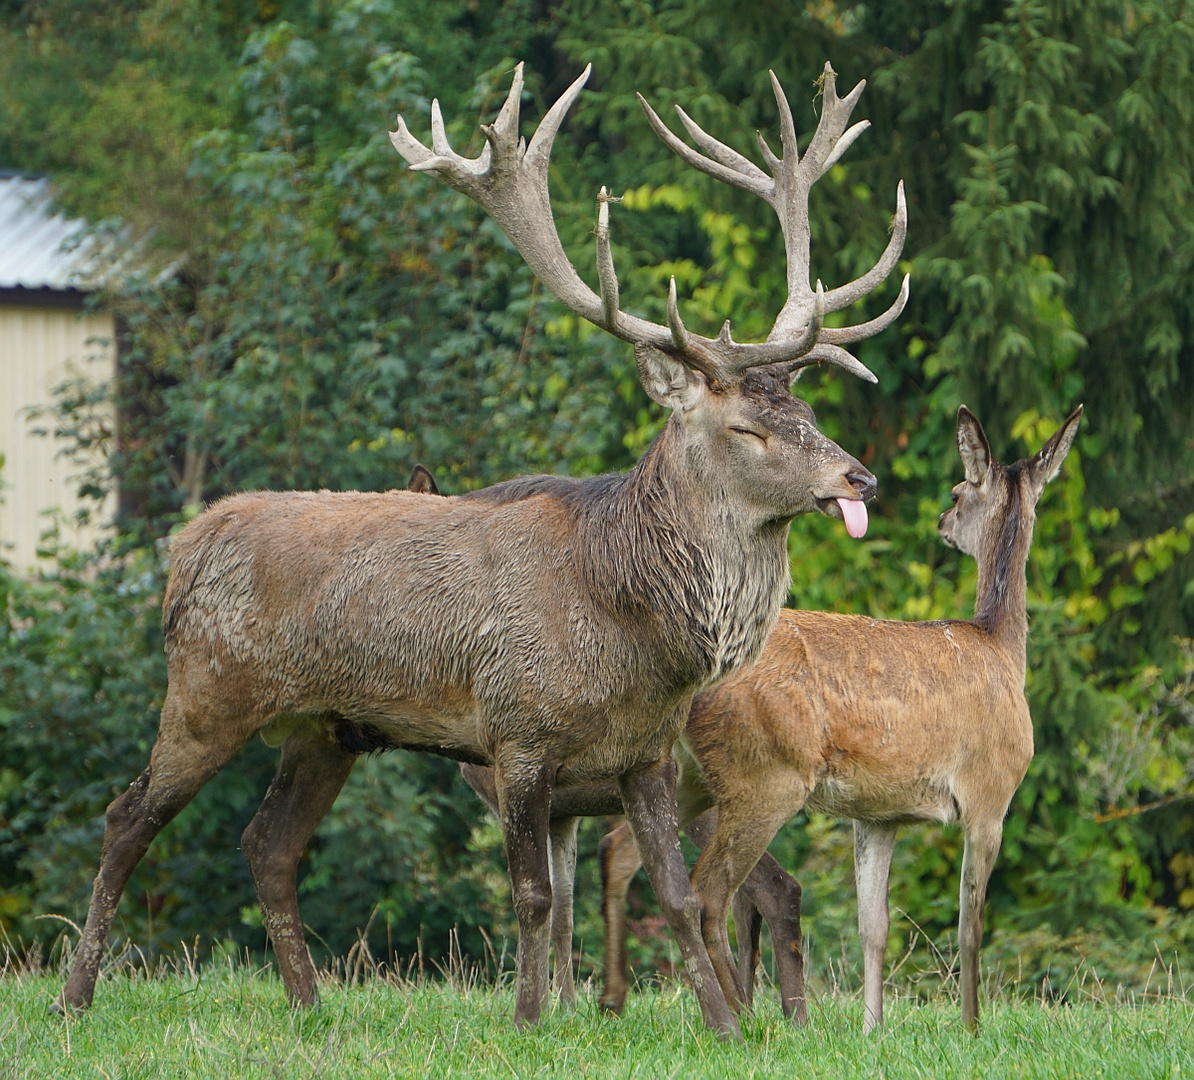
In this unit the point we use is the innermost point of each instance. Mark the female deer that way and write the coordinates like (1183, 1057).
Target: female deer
(880, 721)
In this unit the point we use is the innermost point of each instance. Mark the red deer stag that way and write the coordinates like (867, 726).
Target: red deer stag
(555, 628)
(883, 722)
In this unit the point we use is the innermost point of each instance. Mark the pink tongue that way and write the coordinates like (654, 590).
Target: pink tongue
(854, 513)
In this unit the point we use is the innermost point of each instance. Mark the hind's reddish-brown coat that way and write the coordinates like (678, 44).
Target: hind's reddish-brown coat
(875, 733)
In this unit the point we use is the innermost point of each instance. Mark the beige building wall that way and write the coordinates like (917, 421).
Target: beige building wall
(41, 347)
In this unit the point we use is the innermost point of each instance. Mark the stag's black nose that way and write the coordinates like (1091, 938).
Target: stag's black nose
(863, 482)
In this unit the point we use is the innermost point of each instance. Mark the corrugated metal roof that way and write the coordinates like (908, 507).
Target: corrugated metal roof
(40, 249)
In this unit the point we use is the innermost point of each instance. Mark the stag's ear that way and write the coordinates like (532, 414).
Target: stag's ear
(973, 446)
(670, 383)
(422, 482)
(1046, 464)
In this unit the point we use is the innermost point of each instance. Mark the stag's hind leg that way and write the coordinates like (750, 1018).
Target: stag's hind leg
(310, 774)
(190, 749)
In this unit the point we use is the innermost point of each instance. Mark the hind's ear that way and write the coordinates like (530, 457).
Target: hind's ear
(973, 446)
(1046, 463)
(422, 482)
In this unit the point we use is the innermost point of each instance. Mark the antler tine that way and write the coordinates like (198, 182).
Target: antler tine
(844, 335)
(785, 187)
(832, 354)
(675, 323)
(539, 151)
(439, 137)
(509, 181)
(825, 147)
(787, 127)
(751, 179)
(507, 117)
(718, 150)
(845, 295)
(606, 276)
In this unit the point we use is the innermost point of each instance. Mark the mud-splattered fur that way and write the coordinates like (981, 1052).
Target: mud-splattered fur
(555, 628)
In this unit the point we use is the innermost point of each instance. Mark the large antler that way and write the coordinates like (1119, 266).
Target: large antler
(509, 180)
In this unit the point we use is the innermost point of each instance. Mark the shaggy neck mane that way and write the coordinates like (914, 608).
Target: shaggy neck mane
(714, 583)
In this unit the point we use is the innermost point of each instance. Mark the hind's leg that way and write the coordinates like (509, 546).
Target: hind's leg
(310, 775)
(189, 751)
(978, 859)
(874, 842)
(562, 834)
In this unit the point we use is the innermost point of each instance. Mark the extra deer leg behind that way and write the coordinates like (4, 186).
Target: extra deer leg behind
(563, 876)
(873, 844)
(618, 857)
(649, 797)
(775, 895)
(748, 927)
(310, 774)
(524, 795)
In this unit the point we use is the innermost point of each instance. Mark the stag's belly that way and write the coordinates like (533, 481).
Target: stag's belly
(621, 745)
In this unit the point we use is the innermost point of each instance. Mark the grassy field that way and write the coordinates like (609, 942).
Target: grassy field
(230, 1022)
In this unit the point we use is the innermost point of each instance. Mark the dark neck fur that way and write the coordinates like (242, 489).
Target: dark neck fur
(1000, 606)
(662, 541)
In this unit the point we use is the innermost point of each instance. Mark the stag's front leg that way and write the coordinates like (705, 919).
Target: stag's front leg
(649, 797)
(524, 799)
(982, 847)
(311, 772)
(563, 877)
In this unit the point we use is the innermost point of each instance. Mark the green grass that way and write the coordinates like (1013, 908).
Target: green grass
(225, 1022)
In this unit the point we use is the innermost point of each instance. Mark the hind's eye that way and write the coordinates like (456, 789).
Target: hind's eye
(753, 434)
(953, 497)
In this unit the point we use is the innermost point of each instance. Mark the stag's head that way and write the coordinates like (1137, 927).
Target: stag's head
(991, 491)
(731, 401)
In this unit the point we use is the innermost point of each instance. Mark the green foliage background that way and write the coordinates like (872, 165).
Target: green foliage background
(330, 319)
